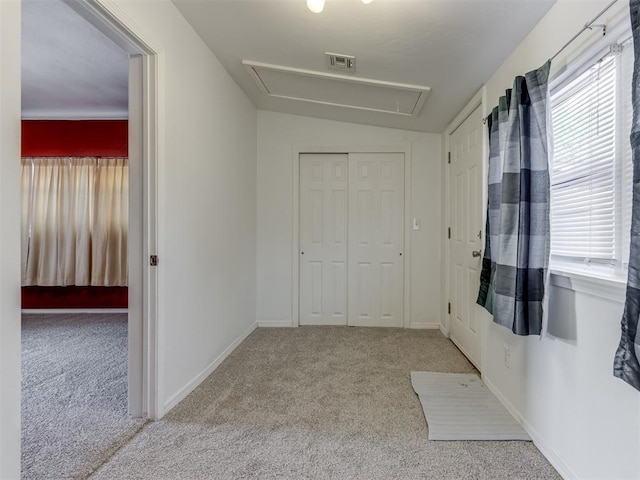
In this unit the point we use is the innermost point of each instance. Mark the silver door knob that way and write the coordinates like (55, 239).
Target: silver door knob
(476, 253)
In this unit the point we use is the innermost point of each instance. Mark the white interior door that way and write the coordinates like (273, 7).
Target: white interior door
(135, 335)
(466, 230)
(323, 239)
(376, 240)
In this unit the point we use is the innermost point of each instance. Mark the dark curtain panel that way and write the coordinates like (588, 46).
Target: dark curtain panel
(626, 365)
(516, 257)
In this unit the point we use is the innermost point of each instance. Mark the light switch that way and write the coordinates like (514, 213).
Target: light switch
(415, 224)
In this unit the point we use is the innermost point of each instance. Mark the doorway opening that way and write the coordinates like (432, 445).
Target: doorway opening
(88, 210)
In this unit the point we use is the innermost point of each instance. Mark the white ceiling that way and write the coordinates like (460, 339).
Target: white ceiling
(69, 68)
(452, 46)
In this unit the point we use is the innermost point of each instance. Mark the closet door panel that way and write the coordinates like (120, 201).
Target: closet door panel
(376, 239)
(323, 239)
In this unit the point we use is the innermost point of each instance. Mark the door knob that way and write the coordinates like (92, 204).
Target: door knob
(476, 253)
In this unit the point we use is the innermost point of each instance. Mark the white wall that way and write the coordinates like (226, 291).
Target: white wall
(9, 239)
(206, 199)
(277, 136)
(586, 421)
(206, 203)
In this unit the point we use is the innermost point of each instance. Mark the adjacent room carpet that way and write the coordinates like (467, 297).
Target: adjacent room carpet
(74, 393)
(459, 406)
(318, 403)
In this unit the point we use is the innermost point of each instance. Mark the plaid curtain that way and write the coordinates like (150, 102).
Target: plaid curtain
(516, 256)
(626, 365)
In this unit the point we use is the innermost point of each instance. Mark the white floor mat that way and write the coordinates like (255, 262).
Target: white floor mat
(461, 407)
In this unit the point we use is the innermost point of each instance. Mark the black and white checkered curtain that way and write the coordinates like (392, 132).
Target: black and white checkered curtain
(516, 257)
(626, 365)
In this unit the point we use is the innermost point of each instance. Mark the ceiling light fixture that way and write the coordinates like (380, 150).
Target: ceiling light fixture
(315, 6)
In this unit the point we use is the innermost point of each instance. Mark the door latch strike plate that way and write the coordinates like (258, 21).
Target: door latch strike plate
(153, 260)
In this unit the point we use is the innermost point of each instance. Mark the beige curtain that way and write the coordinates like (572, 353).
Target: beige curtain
(74, 221)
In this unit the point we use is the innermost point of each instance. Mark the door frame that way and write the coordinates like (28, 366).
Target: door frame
(477, 101)
(144, 352)
(404, 148)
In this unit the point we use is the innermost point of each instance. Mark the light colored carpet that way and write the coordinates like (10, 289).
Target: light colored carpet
(459, 406)
(74, 393)
(318, 403)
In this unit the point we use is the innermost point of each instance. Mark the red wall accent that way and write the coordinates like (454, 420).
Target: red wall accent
(74, 297)
(75, 138)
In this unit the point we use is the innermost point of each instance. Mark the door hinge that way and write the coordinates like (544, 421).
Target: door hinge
(153, 260)
(449, 160)
(449, 233)
(449, 308)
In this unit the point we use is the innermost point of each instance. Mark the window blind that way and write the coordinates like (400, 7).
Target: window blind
(583, 180)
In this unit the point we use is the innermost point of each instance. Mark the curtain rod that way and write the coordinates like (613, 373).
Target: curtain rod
(588, 26)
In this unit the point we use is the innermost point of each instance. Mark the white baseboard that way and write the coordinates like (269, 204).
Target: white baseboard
(198, 379)
(554, 459)
(425, 325)
(444, 330)
(465, 353)
(274, 323)
(287, 323)
(32, 311)
(506, 403)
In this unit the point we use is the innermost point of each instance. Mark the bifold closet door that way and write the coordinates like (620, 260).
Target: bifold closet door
(323, 239)
(376, 240)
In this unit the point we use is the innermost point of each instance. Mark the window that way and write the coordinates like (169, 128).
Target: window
(591, 175)
(75, 217)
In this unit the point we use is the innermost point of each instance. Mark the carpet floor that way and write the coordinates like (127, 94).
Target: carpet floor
(74, 393)
(318, 403)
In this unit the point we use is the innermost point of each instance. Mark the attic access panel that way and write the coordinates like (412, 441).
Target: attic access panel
(339, 90)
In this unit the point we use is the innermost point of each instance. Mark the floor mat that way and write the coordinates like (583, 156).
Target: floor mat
(461, 407)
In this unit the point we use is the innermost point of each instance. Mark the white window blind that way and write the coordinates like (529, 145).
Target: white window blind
(590, 183)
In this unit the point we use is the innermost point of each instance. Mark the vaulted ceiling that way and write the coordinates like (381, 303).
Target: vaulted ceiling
(452, 46)
(71, 70)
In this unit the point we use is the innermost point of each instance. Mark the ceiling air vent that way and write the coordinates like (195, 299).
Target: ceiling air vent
(346, 63)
